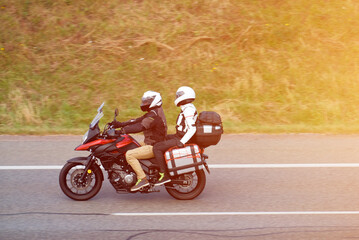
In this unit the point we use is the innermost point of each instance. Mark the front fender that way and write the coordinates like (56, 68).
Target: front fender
(81, 160)
(84, 161)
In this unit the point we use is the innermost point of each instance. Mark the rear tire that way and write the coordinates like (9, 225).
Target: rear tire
(196, 183)
(71, 185)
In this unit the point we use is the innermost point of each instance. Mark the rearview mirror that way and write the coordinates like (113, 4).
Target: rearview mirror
(116, 112)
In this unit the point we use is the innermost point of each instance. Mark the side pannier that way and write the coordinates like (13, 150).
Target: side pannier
(209, 129)
(183, 160)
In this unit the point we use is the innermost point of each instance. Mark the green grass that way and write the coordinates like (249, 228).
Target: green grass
(266, 66)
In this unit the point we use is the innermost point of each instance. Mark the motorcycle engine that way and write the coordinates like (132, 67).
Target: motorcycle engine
(122, 178)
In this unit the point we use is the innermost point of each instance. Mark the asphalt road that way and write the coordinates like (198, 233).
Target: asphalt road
(265, 199)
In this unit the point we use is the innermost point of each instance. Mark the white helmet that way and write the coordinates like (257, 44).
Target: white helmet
(184, 95)
(150, 100)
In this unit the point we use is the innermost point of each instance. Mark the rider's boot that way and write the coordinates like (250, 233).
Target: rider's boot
(140, 184)
(164, 178)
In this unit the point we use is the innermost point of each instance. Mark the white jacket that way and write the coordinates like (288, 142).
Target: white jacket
(186, 122)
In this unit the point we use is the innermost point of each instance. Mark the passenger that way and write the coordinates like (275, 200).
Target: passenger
(185, 129)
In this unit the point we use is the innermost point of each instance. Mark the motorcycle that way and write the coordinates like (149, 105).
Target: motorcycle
(81, 177)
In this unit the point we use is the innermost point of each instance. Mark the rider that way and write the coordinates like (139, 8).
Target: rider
(185, 129)
(154, 126)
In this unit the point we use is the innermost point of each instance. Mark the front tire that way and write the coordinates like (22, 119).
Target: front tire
(76, 189)
(196, 181)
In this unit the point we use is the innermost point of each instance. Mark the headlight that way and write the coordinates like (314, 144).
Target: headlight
(85, 137)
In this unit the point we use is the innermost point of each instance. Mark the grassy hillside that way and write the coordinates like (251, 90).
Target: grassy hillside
(265, 66)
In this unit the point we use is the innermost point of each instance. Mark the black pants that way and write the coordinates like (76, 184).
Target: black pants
(160, 148)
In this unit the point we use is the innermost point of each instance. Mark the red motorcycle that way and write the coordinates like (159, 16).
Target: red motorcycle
(81, 177)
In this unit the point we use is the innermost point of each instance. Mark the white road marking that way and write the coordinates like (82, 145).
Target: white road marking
(218, 166)
(290, 165)
(150, 214)
(33, 167)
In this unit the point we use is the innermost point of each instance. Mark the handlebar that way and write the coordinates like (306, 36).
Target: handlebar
(110, 131)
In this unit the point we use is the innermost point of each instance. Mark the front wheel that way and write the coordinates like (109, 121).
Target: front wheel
(75, 188)
(194, 185)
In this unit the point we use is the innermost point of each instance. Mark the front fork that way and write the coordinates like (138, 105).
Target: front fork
(90, 160)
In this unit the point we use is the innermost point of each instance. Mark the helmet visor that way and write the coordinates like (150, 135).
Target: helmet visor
(179, 94)
(146, 101)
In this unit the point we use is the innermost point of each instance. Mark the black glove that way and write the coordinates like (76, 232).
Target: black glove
(179, 144)
(119, 132)
(116, 124)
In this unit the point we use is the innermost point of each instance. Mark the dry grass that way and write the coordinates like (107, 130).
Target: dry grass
(282, 66)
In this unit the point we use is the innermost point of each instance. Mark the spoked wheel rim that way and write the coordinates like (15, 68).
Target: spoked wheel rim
(80, 189)
(74, 182)
(192, 185)
(191, 182)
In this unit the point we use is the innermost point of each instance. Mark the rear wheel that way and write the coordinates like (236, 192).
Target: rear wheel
(193, 185)
(77, 189)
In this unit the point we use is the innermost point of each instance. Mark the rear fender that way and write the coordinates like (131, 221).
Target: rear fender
(205, 164)
(84, 161)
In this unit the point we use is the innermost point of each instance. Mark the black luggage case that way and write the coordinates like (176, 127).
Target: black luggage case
(209, 129)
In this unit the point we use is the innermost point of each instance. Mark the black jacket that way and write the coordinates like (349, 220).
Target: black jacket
(153, 124)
